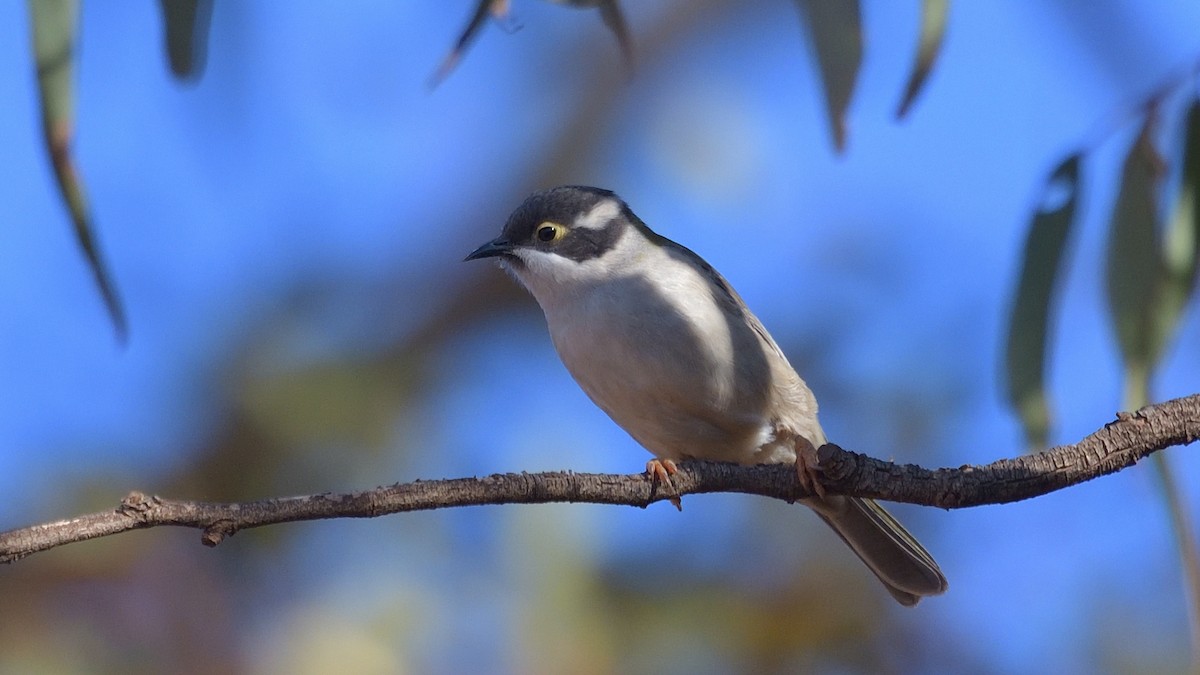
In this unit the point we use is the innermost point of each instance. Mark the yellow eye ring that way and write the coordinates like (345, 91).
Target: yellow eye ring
(548, 232)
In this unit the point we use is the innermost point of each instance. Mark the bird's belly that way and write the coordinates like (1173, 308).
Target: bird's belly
(673, 388)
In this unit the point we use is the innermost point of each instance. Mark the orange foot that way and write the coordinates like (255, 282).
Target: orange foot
(807, 468)
(660, 471)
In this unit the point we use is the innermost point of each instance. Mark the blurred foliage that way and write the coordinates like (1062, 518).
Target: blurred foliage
(934, 15)
(610, 12)
(1146, 300)
(1150, 277)
(54, 24)
(1135, 273)
(483, 8)
(1181, 242)
(1151, 263)
(185, 29)
(1029, 326)
(835, 33)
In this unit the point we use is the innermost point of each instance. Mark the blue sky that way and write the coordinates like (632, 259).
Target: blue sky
(311, 167)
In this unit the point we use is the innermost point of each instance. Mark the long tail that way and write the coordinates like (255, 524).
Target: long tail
(894, 555)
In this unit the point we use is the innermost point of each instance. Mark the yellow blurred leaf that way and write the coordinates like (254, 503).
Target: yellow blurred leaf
(933, 31)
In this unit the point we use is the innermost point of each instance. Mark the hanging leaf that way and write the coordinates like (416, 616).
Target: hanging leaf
(1135, 269)
(933, 31)
(835, 32)
(1169, 284)
(610, 12)
(1181, 243)
(185, 29)
(1029, 327)
(54, 25)
(496, 8)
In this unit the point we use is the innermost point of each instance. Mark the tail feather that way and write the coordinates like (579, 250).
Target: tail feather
(891, 553)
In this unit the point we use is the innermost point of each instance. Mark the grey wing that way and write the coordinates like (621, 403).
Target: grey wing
(794, 407)
(888, 549)
(725, 294)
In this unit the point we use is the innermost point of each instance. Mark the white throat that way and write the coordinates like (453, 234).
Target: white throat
(552, 278)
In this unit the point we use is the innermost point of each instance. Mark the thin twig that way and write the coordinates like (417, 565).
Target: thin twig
(1120, 444)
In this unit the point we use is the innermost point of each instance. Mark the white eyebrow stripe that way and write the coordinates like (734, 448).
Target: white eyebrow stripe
(599, 215)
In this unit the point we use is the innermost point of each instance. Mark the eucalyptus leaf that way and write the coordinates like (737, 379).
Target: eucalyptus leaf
(54, 24)
(933, 31)
(1149, 282)
(483, 8)
(835, 32)
(1135, 271)
(1029, 331)
(185, 28)
(1181, 242)
(610, 12)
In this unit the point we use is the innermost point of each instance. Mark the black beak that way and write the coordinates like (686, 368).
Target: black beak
(496, 247)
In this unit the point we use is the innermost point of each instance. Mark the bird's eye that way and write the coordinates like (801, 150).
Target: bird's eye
(550, 232)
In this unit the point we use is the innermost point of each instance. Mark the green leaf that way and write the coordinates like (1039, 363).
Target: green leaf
(835, 32)
(1181, 243)
(610, 12)
(497, 8)
(1029, 325)
(1135, 271)
(1149, 285)
(54, 26)
(185, 29)
(933, 32)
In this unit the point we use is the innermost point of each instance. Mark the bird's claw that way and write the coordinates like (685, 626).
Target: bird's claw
(808, 468)
(660, 471)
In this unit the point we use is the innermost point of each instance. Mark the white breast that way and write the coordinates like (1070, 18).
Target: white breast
(653, 348)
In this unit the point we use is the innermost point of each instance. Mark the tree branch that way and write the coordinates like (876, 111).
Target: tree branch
(1120, 444)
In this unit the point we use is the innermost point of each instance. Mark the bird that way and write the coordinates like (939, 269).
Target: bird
(662, 343)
